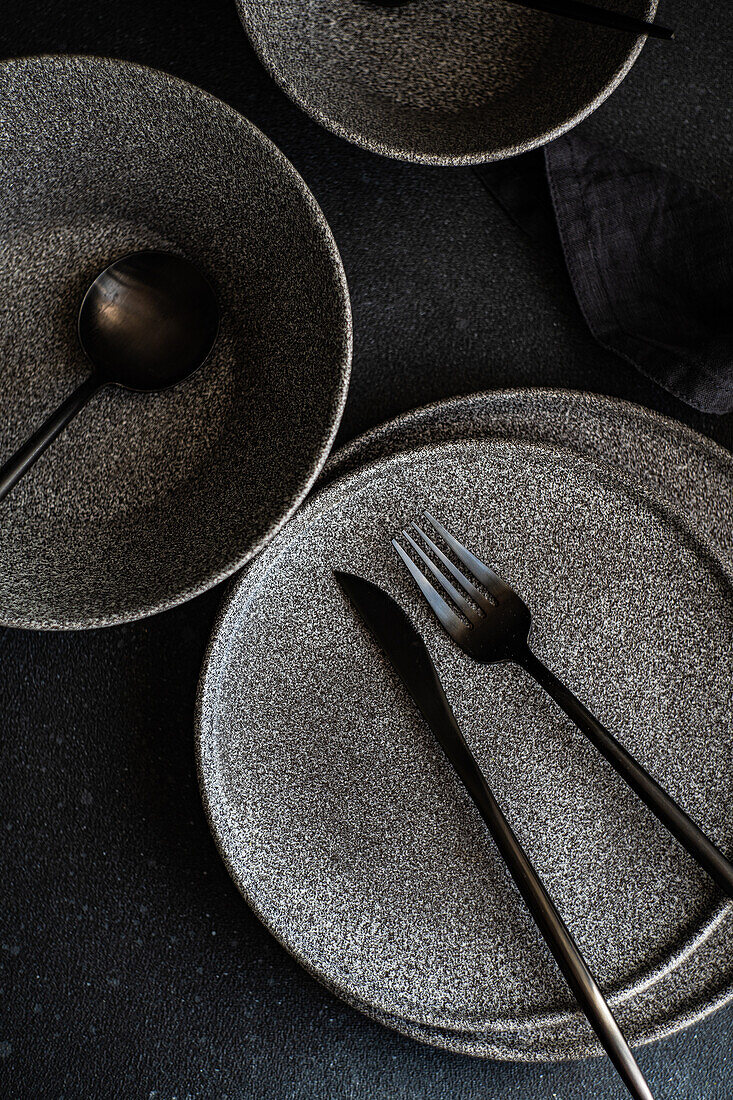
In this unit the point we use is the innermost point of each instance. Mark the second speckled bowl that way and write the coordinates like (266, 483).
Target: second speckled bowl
(441, 81)
(148, 499)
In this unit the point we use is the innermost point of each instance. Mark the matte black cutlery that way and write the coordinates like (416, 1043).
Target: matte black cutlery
(575, 9)
(148, 321)
(491, 623)
(408, 654)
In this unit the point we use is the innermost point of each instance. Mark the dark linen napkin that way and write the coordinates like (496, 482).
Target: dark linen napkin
(650, 258)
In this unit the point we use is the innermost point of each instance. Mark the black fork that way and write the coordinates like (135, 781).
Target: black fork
(496, 628)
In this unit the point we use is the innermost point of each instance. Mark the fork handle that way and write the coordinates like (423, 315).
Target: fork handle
(690, 836)
(554, 930)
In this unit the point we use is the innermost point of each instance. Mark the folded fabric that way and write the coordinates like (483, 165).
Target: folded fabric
(650, 258)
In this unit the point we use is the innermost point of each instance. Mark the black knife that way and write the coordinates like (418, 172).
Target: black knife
(409, 656)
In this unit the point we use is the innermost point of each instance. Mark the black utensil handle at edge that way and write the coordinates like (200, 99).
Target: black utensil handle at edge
(575, 9)
(589, 13)
(19, 463)
(690, 836)
(554, 931)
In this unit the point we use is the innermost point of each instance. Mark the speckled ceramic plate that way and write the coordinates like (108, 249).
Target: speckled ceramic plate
(147, 500)
(690, 473)
(694, 477)
(440, 81)
(343, 825)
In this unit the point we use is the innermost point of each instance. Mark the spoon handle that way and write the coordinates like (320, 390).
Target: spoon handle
(575, 9)
(589, 13)
(19, 463)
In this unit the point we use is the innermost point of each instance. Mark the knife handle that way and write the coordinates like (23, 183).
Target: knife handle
(554, 931)
(412, 662)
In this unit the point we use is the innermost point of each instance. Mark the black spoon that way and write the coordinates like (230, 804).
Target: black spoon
(147, 321)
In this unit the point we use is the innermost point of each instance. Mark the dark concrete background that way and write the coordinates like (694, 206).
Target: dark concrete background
(130, 965)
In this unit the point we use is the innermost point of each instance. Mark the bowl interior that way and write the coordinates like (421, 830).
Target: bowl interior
(147, 498)
(440, 80)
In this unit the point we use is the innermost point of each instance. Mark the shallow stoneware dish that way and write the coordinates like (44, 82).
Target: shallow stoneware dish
(441, 81)
(147, 500)
(694, 478)
(345, 828)
(690, 473)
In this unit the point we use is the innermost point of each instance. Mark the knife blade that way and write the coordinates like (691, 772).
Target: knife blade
(411, 660)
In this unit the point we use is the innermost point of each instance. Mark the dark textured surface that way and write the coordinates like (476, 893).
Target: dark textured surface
(130, 964)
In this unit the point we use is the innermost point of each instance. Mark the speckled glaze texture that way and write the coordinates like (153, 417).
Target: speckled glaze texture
(694, 478)
(690, 473)
(146, 500)
(440, 81)
(345, 828)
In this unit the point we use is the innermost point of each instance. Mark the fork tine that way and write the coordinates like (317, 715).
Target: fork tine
(487, 577)
(458, 598)
(444, 612)
(464, 582)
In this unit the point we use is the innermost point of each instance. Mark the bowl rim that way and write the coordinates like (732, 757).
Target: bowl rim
(235, 561)
(453, 160)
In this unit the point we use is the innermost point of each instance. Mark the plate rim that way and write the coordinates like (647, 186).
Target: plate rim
(460, 1036)
(616, 405)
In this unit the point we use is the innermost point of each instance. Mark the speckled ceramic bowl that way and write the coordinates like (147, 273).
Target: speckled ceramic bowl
(147, 500)
(441, 81)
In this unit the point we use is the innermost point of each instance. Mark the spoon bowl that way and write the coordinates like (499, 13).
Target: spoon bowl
(148, 320)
